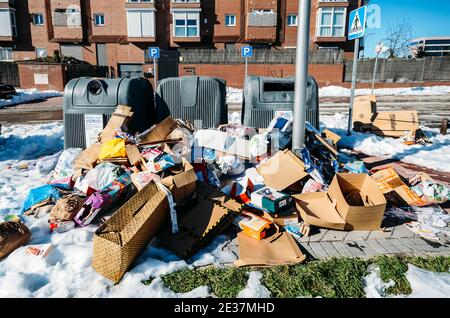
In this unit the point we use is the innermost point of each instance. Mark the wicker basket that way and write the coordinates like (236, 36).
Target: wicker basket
(118, 242)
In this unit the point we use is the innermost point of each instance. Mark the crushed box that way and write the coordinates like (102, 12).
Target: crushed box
(395, 124)
(368, 215)
(282, 170)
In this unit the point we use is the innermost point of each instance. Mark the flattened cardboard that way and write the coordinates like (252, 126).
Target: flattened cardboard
(363, 109)
(223, 142)
(282, 170)
(183, 183)
(279, 249)
(199, 222)
(119, 119)
(317, 208)
(368, 217)
(88, 157)
(395, 124)
(133, 154)
(389, 181)
(161, 130)
(332, 136)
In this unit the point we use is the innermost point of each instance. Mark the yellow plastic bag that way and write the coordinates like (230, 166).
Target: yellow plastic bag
(114, 148)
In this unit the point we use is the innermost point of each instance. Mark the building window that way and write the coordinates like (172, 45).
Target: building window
(186, 24)
(38, 19)
(41, 53)
(6, 54)
(99, 19)
(230, 20)
(331, 22)
(141, 23)
(13, 23)
(185, 1)
(292, 20)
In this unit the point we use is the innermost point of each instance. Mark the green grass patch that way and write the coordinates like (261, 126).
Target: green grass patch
(332, 278)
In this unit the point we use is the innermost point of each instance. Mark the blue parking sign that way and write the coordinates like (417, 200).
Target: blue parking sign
(247, 51)
(153, 52)
(357, 23)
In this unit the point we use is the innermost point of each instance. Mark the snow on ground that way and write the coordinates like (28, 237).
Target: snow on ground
(338, 91)
(234, 95)
(28, 95)
(67, 272)
(424, 284)
(254, 288)
(430, 156)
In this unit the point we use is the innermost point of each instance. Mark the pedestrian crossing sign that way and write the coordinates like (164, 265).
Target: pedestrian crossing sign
(357, 23)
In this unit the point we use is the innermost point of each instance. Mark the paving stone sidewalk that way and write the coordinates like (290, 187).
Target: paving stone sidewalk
(398, 240)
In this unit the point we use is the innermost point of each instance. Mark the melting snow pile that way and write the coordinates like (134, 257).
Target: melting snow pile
(338, 91)
(28, 95)
(430, 156)
(424, 284)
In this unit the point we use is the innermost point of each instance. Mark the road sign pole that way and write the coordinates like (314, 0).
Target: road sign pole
(301, 74)
(352, 96)
(246, 68)
(155, 74)
(374, 72)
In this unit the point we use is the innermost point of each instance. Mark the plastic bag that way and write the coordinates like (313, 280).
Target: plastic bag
(231, 165)
(46, 164)
(64, 167)
(113, 148)
(99, 177)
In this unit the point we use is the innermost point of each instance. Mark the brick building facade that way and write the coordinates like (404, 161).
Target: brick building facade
(117, 33)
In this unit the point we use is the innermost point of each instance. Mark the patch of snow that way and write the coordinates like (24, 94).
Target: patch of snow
(374, 285)
(254, 288)
(338, 91)
(28, 95)
(430, 156)
(424, 284)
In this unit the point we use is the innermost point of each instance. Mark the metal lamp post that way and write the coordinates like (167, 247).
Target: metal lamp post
(301, 73)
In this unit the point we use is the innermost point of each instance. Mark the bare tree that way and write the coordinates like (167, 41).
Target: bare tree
(398, 38)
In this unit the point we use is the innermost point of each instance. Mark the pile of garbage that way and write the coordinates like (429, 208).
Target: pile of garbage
(186, 185)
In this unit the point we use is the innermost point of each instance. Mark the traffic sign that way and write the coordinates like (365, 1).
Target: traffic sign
(357, 23)
(247, 51)
(153, 52)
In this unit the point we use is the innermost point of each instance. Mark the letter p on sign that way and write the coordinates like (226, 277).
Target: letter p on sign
(153, 52)
(247, 51)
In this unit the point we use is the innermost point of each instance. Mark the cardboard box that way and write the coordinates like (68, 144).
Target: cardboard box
(279, 249)
(389, 181)
(282, 170)
(223, 142)
(318, 209)
(120, 240)
(200, 221)
(283, 218)
(119, 120)
(88, 157)
(182, 184)
(270, 199)
(395, 124)
(331, 136)
(253, 225)
(358, 217)
(363, 109)
(161, 130)
(133, 154)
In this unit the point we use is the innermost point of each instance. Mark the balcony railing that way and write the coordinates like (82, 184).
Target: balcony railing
(67, 19)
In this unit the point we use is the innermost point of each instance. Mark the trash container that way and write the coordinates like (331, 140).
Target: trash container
(263, 96)
(89, 103)
(199, 99)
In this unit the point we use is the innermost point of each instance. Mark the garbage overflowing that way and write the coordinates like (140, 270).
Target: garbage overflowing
(186, 186)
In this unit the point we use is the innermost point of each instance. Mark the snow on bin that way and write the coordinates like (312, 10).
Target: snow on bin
(89, 103)
(196, 98)
(263, 96)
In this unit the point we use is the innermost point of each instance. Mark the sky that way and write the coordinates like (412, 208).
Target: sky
(427, 17)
